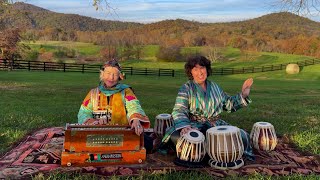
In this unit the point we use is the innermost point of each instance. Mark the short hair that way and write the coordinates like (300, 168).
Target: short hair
(193, 61)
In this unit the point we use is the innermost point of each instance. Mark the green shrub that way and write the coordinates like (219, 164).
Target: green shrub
(169, 54)
(32, 55)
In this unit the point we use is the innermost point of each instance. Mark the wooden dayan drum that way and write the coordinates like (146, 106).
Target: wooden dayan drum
(190, 146)
(224, 143)
(162, 122)
(263, 136)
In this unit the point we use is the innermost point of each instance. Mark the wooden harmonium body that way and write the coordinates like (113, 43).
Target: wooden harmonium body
(100, 145)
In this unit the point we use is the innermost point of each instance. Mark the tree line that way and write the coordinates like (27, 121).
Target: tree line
(277, 32)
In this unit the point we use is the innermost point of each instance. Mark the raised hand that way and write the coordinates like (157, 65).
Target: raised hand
(246, 87)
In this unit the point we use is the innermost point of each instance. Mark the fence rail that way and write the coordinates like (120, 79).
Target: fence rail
(88, 68)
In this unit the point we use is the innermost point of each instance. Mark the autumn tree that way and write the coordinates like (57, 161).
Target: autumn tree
(9, 39)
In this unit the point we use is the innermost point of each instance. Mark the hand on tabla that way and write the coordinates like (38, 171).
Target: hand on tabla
(185, 130)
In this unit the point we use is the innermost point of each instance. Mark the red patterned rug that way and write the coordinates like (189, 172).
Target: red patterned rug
(41, 152)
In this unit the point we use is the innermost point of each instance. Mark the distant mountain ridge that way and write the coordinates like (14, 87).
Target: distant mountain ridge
(29, 16)
(276, 32)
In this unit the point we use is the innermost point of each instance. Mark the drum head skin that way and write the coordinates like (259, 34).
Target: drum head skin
(163, 116)
(194, 136)
(223, 129)
(264, 124)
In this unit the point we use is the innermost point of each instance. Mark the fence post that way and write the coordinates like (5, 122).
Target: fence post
(12, 65)
(82, 68)
(252, 69)
(159, 72)
(146, 72)
(172, 72)
(64, 67)
(44, 66)
(131, 71)
(29, 66)
(232, 70)
(272, 67)
(313, 61)
(242, 70)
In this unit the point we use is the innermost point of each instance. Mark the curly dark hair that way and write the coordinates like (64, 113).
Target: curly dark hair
(193, 61)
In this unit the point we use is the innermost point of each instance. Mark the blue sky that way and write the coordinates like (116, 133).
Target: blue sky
(147, 11)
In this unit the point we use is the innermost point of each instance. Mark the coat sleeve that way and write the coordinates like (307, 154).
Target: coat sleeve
(180, 113)
(134, 109)
(233, 103)
(86, 109)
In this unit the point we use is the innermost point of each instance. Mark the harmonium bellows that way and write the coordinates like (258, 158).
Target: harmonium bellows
(99, 145)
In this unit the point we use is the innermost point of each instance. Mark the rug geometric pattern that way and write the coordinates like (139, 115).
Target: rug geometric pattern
(41, 152)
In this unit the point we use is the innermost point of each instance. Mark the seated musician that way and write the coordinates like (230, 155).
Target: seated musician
(113, 103)
(200, 101)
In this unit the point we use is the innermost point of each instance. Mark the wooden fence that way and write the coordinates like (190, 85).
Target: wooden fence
(87, 68)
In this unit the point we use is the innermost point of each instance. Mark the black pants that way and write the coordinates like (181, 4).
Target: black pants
(148, 143)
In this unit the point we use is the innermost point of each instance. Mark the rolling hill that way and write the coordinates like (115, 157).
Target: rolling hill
(29, 16)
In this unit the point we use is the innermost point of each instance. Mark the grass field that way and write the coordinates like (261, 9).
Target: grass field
(233, 56)
(33, 100)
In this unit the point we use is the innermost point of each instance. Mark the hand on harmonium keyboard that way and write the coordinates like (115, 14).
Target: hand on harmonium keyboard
(91, 121)
(137, 126)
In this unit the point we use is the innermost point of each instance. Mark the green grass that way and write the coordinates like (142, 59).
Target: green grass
(86, 49)
(236, 59)
(233, 57)
(149, 52)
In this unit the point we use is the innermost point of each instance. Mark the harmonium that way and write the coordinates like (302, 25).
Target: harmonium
(100, 145)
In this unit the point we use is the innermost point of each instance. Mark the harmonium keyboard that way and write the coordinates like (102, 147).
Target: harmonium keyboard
(100, 145)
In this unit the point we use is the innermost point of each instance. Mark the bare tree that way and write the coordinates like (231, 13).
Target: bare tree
(213, 53)
(300, 7)
(104, 5)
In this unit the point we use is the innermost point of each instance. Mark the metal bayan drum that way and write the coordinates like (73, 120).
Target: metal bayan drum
(225, 147)
(162, 122)
(263, 136)
(190, 146)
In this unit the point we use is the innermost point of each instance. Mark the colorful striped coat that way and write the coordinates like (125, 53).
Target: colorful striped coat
(195, 108)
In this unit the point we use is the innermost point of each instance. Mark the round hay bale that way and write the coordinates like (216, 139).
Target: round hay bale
(292, 69)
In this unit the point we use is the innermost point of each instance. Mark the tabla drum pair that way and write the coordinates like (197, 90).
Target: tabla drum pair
(162, 122)
(223, 144)
(225, 147)
(263, 136)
